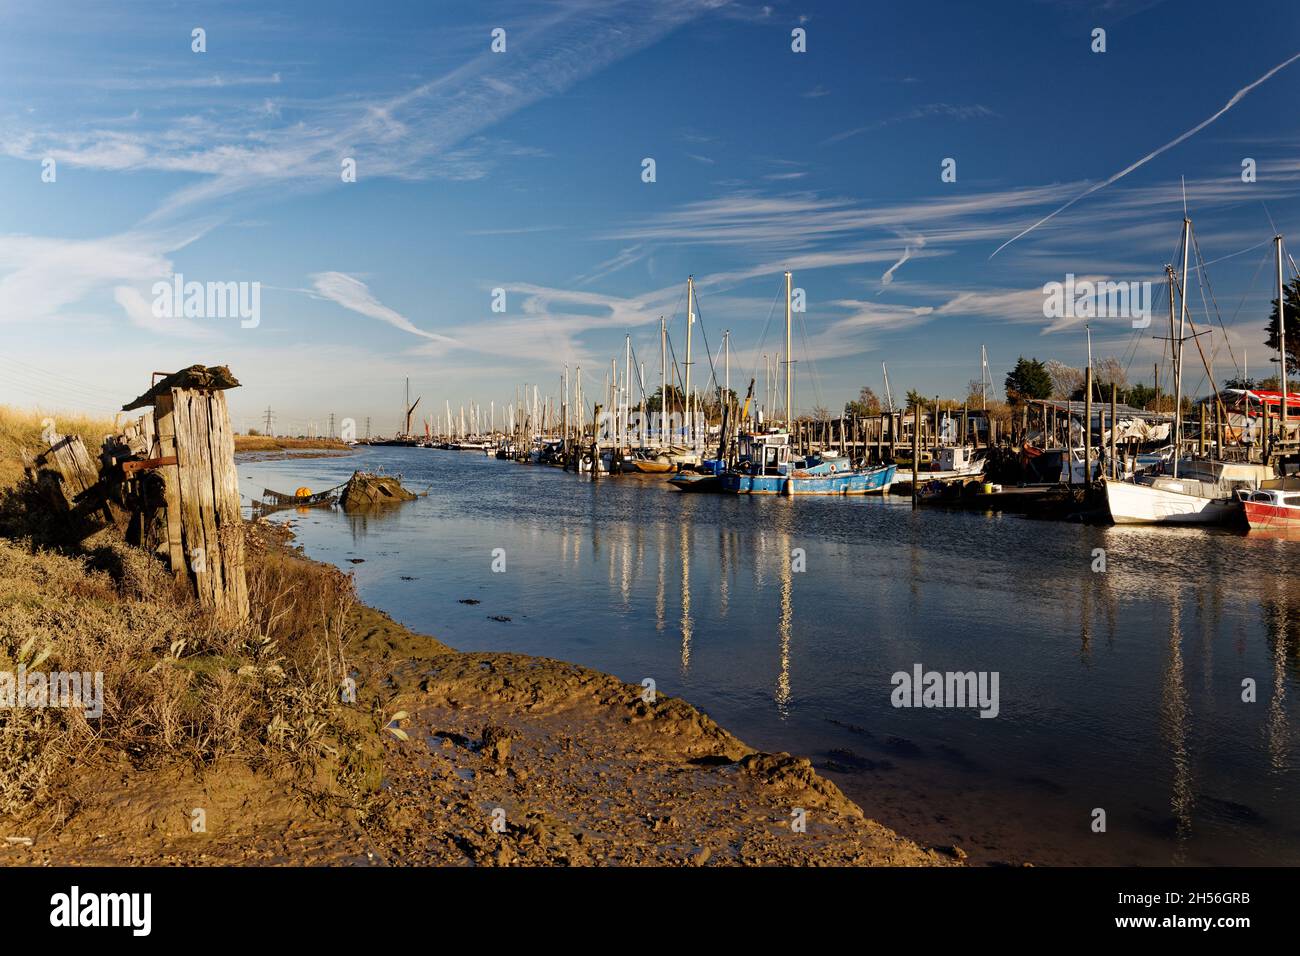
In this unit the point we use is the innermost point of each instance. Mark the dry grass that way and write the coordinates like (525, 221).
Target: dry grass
(177, 686)
(21, 428)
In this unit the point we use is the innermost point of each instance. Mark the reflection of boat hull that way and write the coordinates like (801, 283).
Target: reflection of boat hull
(869, 481)
(1146, 504)
(696, 483)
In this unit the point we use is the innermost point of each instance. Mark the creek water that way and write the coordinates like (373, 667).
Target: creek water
(1119, 689)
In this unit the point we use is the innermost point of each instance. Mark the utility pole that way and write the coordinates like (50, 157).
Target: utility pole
(269, 416)
(331, 435)
(367, 428)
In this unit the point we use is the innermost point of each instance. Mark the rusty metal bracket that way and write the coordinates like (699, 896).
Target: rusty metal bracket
(130, 468)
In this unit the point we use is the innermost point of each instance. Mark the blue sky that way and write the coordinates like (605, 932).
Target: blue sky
(522, 171)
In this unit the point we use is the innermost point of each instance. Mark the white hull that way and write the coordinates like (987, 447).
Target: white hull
(1144, 504)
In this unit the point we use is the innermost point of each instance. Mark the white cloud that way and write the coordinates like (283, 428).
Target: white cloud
(355, 295)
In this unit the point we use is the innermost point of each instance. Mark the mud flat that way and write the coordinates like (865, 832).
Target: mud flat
(442, 758)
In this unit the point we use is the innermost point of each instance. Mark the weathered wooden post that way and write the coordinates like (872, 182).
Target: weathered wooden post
(916, 453)
(64, 474)
(1087, 429)
(196, 458)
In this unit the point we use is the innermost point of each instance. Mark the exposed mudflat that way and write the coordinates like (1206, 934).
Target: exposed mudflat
(497, 759)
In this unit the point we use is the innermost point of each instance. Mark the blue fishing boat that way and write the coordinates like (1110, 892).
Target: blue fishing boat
(765, 465)
(765, 468)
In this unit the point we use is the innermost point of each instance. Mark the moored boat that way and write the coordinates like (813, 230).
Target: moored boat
(1272, 509)
(1202, 492)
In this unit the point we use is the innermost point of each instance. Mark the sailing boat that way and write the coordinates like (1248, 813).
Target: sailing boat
(1196, 491)
(767, 467)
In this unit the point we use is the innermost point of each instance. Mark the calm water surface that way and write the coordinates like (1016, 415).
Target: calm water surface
(1119, 690)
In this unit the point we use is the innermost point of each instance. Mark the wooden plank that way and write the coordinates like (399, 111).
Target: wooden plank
(164, 417)
(230, 521)
(192, 451)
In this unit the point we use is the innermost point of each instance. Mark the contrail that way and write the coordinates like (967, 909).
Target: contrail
(1236, 98)
(888, 277)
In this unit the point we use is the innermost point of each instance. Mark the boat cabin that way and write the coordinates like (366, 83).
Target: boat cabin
(765, 454)
(956, 458)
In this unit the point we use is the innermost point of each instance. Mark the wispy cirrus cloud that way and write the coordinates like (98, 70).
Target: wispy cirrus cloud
(925, 111)
(412, 134)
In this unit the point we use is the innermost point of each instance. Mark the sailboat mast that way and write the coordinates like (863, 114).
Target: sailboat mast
(663, 378)
(789, 358)
(1281, 332)
(984, 378)
(686, 382)
(626, 410)
(1178, 361)
(726, 364)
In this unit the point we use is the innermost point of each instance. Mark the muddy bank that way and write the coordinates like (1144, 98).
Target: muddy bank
(292, 453)
(449, 758)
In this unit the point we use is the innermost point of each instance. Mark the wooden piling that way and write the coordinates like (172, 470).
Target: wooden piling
(1114, 411)
(207, 485)
(916, 453)
(1087, 428)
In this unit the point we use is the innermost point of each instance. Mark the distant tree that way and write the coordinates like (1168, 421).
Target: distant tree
(865, 404)
(1139, 395)
(655, 402)
(1109, 371)
(1243, 383)
(915, 398)
(1292, 327)
(1066, 379)
(821, 413)
(1028, 380)
(710, 404)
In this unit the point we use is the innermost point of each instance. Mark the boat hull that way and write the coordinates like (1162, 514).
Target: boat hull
(871, 481)
(1144, 504)
(1267, 517)
(649, 467)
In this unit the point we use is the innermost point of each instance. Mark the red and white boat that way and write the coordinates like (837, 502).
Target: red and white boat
(1272, 509)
